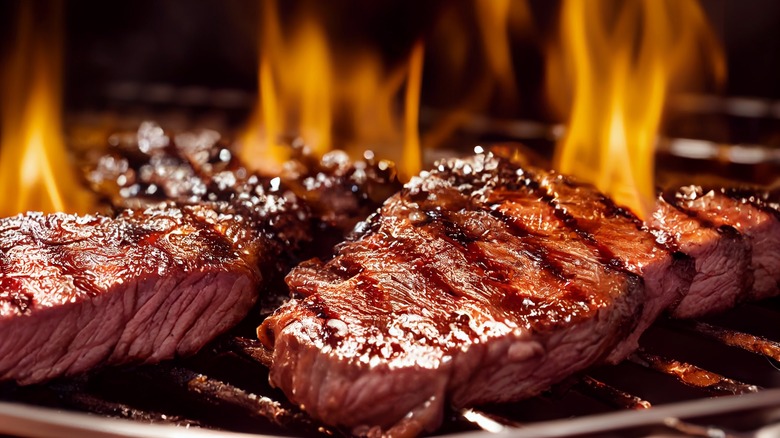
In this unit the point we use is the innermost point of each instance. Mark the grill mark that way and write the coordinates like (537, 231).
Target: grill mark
(411, 257)
(727, 231)
(464, 244)
(730, 232)
(441, 224)
(346, 268)
(606, 256)
(315, 304)
(613, 211)
(535, 250)
(368, 286)
(461, 242)
(736, 195)
(428, 276)
(674, 201)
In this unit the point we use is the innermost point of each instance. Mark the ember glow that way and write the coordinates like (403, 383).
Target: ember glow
(307, 88)
(616, 64)
(36, 172)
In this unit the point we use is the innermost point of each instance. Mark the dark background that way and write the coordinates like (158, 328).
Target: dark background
(203, 54)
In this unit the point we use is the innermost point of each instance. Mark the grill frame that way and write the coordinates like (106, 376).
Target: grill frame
(26, 420)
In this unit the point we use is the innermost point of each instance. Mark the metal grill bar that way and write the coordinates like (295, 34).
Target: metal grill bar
(618, 423)
(76, 396)
(746, 341)
(218, 392)
(250, 349)
(610, 395)
(691, 374)
(196, 383)
(488, 423)
(696, 430)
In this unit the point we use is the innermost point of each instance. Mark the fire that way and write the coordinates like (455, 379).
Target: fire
(35, 169)
(621, 59)
(498, 24)
(351, 98)
(344, 99)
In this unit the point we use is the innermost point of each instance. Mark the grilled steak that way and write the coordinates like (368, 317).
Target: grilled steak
(756, 220)
(151, 167)
(624, 242)
(78, 292)
(470, 286)
(722, 256)
(198, 239)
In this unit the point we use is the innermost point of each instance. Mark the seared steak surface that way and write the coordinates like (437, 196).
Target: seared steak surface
(325, 197)
(623, 242)
(197, 240)
(77, 292)
(756, 219)
(722, 255)
(469, 286)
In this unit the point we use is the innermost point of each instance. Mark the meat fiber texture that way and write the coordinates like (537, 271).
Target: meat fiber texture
(483, 281)
(757, 220)
(625, 242)
(722, 256)
(81, 292)
(474, 284)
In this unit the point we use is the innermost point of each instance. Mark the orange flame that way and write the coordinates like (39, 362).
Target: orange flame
(35, 169)
(305, 93)
(621, 58)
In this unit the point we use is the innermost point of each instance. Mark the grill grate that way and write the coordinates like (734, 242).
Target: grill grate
(684, 370)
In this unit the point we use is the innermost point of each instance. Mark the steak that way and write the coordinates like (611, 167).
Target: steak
(483, 281)
(469, 286)
(722, 256)
(625, 243)
(332, 193)
(750, 215)
(196, 241)
(77, 292)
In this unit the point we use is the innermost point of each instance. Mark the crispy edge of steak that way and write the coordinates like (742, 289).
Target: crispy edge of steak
(758, 222)
(78, 292)
(448, 296)
(722, 256)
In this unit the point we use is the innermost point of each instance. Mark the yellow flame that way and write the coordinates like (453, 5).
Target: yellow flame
(329, 99)
(621, 58)
(35, 170)
(412, 156)
(493, 17)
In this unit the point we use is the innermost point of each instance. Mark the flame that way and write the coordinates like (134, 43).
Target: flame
(496, 22)
(621, 59)
(350, 104)
(35, 169)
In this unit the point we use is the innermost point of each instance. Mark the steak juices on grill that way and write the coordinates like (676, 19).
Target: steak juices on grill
(479, 282)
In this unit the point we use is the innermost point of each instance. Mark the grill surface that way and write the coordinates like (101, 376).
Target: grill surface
(718, 376)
